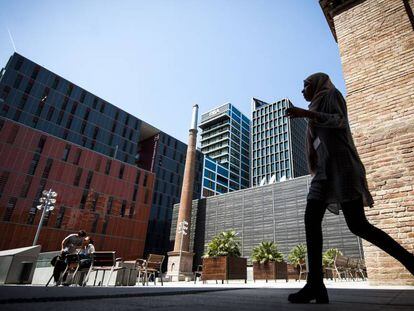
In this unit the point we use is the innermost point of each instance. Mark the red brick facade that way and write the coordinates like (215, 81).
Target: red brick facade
(91, 195)
(376, 42)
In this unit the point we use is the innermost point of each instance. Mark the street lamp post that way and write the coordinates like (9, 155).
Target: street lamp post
(47, 202)
(182, 229)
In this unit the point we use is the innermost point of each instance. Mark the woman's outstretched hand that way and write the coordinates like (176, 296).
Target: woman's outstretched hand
(295, 112)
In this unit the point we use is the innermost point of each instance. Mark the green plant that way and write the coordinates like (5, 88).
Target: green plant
(328, 257)
(266, 251)
(224, 244)
(297, 254)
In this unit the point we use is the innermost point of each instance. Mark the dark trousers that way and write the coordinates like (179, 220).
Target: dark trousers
(358, 224)
(60, 266)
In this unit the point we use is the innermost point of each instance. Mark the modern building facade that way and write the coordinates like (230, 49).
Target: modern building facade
(108, 198)
(278, 143)
(273, 212)
(41, 100)
(225, 140)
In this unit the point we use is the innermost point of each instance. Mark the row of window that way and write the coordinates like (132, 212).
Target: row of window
(81, 96)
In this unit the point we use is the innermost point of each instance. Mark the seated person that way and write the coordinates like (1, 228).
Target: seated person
(70, 245)
(85, 253)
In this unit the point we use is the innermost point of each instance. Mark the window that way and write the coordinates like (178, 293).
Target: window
(29, 87)
(47, 168)
(134, 194)
(95, 201)
(50, 113)
(23, 101)
(33, 164)
(95, 103)
(102, 108)
(137, 176)
(145, 180)
(69, 122)
(17, 81)
(82, 97)
(131, 210)
(77, 156)
(19, 64)
(95, 132)
(59, 218)
(35, 72)
(108, 167)
(69, 90)
(55, 83)
(77, 176)
(3, 181)
(83, 127)
(121, 171)
(123, 208)
(89, 180)
(83, 199)
(66, 153)
(109, 205)
(9, 209)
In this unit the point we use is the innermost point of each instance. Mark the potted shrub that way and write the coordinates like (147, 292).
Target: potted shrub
(222, 260)
(268, 262)
(328, 260)
(297, 258)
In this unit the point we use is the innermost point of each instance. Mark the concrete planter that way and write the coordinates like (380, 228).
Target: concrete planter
(224, 268)
(271, 270)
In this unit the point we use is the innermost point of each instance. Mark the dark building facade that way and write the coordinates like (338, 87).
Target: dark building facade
(278, 151)
(268, 213)
(109, 199)
(38, 98)
(168, 166)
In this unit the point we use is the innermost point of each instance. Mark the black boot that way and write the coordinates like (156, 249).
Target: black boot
(309, 293)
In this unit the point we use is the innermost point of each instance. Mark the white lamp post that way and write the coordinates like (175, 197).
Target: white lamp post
(47, 202)
(182, 229)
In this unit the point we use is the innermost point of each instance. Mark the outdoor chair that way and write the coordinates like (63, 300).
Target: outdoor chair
(340, 268)
(198, 272)
(151, 267)
(103, 261)
(140, 265)
(303, 271)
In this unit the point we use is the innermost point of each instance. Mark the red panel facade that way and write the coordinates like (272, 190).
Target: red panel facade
(111, 206)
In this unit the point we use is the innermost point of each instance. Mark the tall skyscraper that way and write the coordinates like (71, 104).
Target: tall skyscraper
(106, 158)
(278, 151)
(225, 140)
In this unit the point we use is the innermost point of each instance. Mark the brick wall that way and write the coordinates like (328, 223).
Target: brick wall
(376, 42)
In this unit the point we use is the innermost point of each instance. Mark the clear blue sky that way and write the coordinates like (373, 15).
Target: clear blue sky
(156, 58)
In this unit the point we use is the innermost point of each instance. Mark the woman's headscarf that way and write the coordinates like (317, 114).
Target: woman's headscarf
(320, 84)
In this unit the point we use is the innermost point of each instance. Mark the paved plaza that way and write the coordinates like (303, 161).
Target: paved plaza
(211, 296)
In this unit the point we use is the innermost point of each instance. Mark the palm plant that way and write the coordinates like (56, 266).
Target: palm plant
(297, 254)
(266, 251)
(329, 256)
(224, 244)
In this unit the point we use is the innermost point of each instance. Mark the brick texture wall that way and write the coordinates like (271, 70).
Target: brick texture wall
(376, 42)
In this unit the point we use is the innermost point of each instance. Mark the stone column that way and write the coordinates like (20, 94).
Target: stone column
(180, 260)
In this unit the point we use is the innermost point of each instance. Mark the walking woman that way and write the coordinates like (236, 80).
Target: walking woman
(338, 182)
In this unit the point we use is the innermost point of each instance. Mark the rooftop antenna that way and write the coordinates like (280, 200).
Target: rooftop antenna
(11, 39)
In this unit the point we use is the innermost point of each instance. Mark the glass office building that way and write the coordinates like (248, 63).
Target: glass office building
(278, 143)
(225, 140)
(35, 97)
